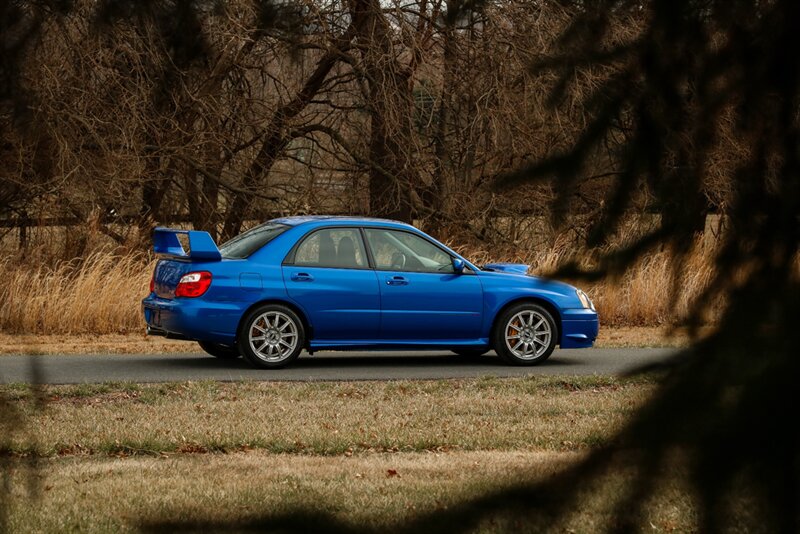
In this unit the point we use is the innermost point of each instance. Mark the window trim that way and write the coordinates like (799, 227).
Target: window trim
(289, 259)
(423, 237)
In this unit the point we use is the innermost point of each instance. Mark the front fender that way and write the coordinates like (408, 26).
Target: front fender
(501, 290)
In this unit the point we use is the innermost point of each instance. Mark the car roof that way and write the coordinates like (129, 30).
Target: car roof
(333, 220)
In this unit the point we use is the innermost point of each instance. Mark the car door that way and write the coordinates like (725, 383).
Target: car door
(422, 297)
(329, 276)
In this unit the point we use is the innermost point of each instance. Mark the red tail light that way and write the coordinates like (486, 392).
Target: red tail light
(153, 282)
(193, 284)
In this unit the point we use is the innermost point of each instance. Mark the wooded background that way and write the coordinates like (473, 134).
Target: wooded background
(114, 119)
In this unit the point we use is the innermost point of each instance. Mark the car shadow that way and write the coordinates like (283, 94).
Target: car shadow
(344, 360)
(391, 359)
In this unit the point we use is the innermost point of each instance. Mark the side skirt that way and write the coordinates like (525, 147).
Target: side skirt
(428, 344)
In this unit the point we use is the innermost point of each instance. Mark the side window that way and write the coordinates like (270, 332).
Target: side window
(335, 247)
(402, 251)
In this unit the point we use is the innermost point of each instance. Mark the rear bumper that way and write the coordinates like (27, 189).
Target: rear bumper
(155, 331)
(579, 328)
(191, 319)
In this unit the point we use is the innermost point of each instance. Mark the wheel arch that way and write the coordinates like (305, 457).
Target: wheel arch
(546, 304)
(292, 306)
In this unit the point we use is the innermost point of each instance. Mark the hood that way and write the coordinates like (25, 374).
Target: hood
(510, 268)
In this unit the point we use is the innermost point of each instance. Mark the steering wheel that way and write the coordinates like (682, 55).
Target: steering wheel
(398, 260)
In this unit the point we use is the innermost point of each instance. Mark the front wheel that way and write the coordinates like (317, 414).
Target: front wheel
(218, 350)
(271, 336)
(525, 334)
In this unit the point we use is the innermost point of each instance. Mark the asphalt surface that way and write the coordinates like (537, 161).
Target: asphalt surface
(78, 369)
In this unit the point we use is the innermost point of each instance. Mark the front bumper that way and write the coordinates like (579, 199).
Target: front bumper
(579, 328)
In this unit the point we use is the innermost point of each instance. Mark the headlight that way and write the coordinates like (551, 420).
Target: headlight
(585, 300)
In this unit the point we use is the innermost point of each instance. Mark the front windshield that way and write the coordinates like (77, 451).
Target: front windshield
(243, 245)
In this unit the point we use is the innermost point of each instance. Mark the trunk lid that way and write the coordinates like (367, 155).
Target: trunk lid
(167, 275)
(179, 249)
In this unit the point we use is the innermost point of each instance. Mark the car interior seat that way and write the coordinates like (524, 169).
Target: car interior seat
(327, 250)
(346, 255)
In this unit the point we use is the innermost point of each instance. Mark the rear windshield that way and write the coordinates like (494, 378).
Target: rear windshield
(245, 244)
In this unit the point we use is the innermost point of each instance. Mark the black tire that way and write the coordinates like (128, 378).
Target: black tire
(261, 354)
(541, 344)
(218, 350)
(470, 353)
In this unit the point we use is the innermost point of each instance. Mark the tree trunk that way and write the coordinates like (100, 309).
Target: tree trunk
(443, 167)
(394, 184)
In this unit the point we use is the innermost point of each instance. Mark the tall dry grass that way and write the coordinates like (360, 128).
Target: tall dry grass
(101, 294)
(641, 297)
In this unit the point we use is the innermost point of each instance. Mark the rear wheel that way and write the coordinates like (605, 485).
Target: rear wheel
(525, 334)
(272, 336)
(218, 350)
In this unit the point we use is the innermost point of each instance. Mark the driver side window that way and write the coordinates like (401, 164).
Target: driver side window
(402, 251)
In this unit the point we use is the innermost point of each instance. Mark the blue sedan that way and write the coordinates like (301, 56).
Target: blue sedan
(347, 283)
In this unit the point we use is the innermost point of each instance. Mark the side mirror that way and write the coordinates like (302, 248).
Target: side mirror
(458, 265)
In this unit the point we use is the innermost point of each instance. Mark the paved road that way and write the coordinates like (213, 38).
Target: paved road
(321, 366)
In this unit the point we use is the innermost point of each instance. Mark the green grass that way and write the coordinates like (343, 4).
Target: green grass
(534, 413)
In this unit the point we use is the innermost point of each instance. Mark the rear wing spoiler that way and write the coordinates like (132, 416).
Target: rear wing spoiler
(201, 246)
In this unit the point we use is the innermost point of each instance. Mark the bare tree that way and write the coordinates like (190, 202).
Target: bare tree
(410, 108)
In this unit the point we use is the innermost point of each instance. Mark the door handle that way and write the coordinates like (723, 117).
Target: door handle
(397, 280)
(302, 277)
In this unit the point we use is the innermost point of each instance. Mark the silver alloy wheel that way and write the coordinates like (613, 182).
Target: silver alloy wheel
(528, 334)
(273, 336)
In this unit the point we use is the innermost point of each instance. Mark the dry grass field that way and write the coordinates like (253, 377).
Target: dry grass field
(101, 294)
(103, 458)
(106, 494)
(327, 418)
